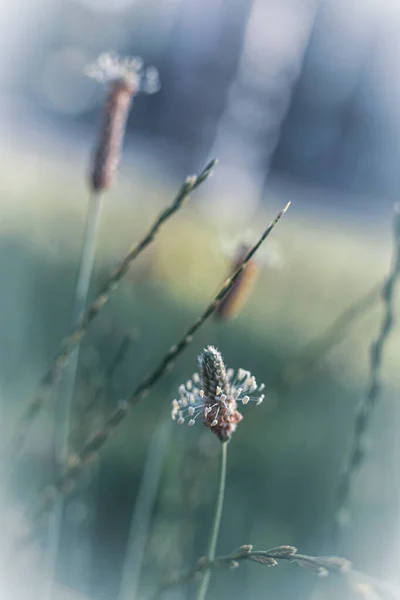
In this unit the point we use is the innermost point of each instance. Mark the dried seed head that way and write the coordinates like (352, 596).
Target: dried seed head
(232, 303)
(236, 249)
(125, 78)
(216, 395)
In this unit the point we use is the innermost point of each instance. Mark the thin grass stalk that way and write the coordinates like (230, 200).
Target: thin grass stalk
(79, 330)
(65, 392)
(78, 462)
(81, 534)
(143, 511)
(219, 505)
(374, 387)
(321, 565)
(188, 483)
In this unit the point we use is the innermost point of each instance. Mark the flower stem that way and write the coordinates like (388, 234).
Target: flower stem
(65, 392)
(212, 544)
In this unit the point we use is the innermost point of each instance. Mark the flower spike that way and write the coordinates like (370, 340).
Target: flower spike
(216, 399)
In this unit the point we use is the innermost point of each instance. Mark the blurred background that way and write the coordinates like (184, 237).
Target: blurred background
(300, 101)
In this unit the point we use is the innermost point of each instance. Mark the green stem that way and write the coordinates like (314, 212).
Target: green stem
(212, 544)
(66, 389)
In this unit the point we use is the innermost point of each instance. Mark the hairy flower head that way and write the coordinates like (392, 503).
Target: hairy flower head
(124, 78)
(213, 395)
(109, 68)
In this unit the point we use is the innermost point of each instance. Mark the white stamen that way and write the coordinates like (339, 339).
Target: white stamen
(261, 398)
(191, 422)
(180, 421)
(201, 393)
(214, 423)
(247, 382)
(253, 384)
(189, 384)
(191, 410)
(242, 373)
(196, 378)
(261, 387)
(218, 390)
(245, 399)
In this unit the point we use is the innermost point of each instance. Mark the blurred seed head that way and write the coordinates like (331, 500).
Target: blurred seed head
(110, 68)
(233, 302)
(124, 78)
(236, 249)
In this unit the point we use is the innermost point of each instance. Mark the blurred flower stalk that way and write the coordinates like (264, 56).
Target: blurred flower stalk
(123, 78)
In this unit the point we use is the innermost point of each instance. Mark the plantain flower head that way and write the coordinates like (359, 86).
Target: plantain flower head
(109, 68)
(213, 394)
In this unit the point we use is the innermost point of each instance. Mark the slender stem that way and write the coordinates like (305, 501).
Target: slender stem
(66, 388)
(374, 386)
(64, 399)
(143, 510)
(212, 545)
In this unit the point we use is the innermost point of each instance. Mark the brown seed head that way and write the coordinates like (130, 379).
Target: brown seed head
(233, 302)
(236, 249)
(124, 79)
(111, 134)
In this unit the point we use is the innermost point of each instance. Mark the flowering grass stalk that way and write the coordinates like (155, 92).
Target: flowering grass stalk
(123, 79)
(321, 565)
(374, 385)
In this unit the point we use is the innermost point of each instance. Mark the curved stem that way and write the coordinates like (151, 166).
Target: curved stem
(212, 544)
